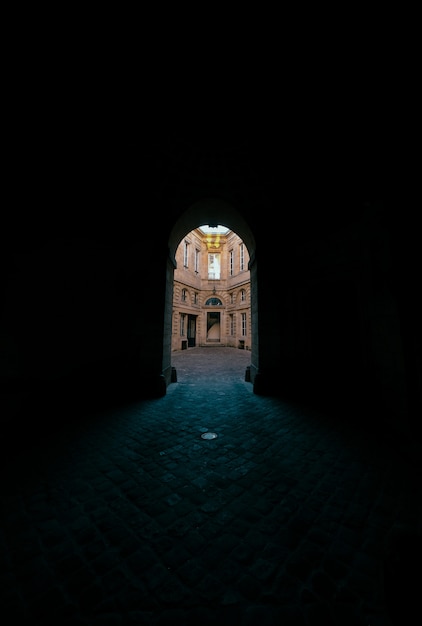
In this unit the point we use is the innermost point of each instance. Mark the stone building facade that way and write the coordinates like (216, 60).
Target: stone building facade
(211, 295)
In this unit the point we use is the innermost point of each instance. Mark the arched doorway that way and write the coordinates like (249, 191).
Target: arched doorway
(212, 211)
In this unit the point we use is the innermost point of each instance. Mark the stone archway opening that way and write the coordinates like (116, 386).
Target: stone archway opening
(212, 212)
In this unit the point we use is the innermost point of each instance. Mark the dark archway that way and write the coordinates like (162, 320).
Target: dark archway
(212, 211)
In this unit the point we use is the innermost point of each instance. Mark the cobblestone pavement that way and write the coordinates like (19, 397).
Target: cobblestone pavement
(132, 517)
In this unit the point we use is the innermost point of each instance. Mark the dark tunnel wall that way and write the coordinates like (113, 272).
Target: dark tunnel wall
(85, 285)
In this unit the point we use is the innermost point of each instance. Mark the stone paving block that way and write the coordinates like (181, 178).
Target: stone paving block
(77, 582)
(107, 560)
(250, 587)
(323, 586)
(243, 553)
(141, 560)
(154, 576)
(155, 508)
(298, 566)
(69, 564)
(229, 572)
(132, 598)
(350, 536)
(263, 570)
(176, 556)
(209, 589)
(319, 537)
(80, 523)
(108, 619)
(93, 549)
(92, 595)
(192, 571)
(224, 516)
(259, 614)
(366, 564)
(14, 607)
(319, 613)
(292, 615)
(27, 548)
(203, 615)
(363, 585)
(86, 533)
(172, 593)
(194, 541)
(342, 551)
(115, 580)
(348, 615)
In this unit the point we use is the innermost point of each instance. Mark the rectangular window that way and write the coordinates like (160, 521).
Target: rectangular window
(242, 257)
(231, 262)
(196, 260)
(182, 324)
(186, 254)
(243, 324)
(195, 298)
(214, 266)
(232, 325)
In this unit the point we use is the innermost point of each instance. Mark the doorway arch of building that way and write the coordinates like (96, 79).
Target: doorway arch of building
(211, 211)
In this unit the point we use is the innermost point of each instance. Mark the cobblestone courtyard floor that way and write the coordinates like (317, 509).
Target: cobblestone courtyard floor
(132, 517)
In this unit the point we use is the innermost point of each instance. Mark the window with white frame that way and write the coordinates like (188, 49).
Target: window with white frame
(231, 262)
(184, 292)
(242, 256)
(243, 295)
(197, 253)
(182, 324)
(214, 266)
(186, 254)
(243, 319)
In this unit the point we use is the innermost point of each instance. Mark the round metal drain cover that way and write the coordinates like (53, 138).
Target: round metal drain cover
(209, 435)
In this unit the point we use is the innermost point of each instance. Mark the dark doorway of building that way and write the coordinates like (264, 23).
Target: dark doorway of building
(192, 331)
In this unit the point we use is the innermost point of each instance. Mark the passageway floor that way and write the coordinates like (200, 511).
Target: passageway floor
(132, 517)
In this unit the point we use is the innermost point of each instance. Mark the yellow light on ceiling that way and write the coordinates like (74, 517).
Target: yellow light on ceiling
(213, 242)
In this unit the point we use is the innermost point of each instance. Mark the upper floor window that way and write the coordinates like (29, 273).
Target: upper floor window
(214, 266)
(186, 254)
(243, 295)
(231, 262)
(195, 298)
(197, 260)
(184, 292)
(242, 256)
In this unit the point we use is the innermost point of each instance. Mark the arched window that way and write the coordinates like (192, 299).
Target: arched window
(213, 302)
